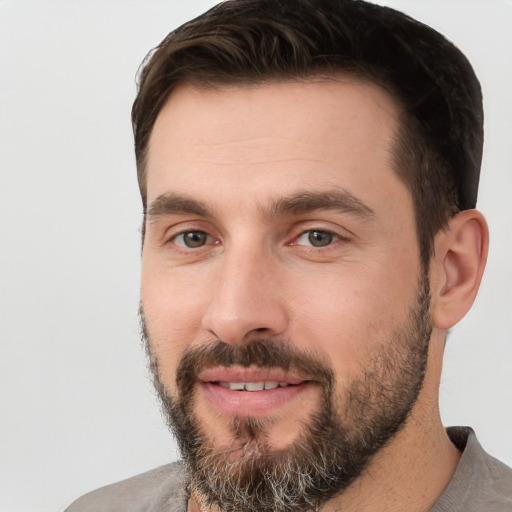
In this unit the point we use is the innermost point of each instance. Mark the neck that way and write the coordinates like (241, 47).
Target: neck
(414, 469)
(408, 475)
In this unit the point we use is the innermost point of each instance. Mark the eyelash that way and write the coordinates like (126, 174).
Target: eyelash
(331, 237)
(182, 234)
(328, 235)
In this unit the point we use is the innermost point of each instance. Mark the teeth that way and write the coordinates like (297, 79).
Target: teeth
(252, 386)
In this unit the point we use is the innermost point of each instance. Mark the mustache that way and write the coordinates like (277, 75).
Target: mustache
(261, 353)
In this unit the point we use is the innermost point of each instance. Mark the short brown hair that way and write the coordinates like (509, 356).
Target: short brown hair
(438, 149)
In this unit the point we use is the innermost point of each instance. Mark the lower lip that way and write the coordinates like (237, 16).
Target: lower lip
(251, 404)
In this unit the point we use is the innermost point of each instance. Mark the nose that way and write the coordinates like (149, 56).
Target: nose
(246, 299)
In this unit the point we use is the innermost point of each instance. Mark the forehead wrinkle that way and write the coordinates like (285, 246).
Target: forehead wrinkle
(306, 202)
(252, 151)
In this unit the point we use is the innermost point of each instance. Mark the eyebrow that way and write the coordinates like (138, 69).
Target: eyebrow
(339, 200)
(300, 203)
(177, 204)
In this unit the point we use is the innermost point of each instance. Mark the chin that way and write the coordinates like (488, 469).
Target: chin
(240, 436)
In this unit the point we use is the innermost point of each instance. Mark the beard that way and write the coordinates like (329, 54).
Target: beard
(333, 447)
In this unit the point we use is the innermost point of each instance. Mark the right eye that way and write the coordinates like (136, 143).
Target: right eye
(192, 239)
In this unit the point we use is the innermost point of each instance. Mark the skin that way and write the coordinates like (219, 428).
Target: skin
(238, 151)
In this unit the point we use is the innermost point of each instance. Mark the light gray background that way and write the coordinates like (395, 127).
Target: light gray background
(77, 408)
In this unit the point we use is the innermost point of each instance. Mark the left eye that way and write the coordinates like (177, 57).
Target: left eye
(317, 238)
(191, 239)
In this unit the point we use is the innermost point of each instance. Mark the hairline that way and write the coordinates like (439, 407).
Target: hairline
(402, 118)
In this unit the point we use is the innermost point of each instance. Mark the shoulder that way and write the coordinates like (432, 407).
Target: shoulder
(162, 488)
(495, 479)
(480, 482)
(482, 468)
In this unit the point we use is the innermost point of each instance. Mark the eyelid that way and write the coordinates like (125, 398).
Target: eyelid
(302, 240)
(189, 226)
(339, 232)
(183, 245)
(334, 235)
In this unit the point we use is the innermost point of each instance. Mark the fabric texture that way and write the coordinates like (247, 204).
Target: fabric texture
(159, 490)
(481, 483)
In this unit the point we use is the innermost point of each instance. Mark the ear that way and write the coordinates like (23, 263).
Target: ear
(457, 267)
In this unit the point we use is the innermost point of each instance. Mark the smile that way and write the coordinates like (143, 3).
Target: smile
(250, 392)
(253, 386)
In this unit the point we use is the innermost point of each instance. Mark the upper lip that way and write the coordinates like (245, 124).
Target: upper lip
(241, 374)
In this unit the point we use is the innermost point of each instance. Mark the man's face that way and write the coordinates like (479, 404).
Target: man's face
(281, 280)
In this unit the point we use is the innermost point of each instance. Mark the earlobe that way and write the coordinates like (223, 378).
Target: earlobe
(458, 266)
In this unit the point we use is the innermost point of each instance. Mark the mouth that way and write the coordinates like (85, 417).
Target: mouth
(250, 392)
(253, 386)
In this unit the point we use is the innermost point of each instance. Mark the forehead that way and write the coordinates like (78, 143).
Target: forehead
(278, 136)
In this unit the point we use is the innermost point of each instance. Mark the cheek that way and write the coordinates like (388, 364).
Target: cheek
(172, 310)
(346, 315)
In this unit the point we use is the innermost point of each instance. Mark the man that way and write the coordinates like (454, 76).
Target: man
(309, 172)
